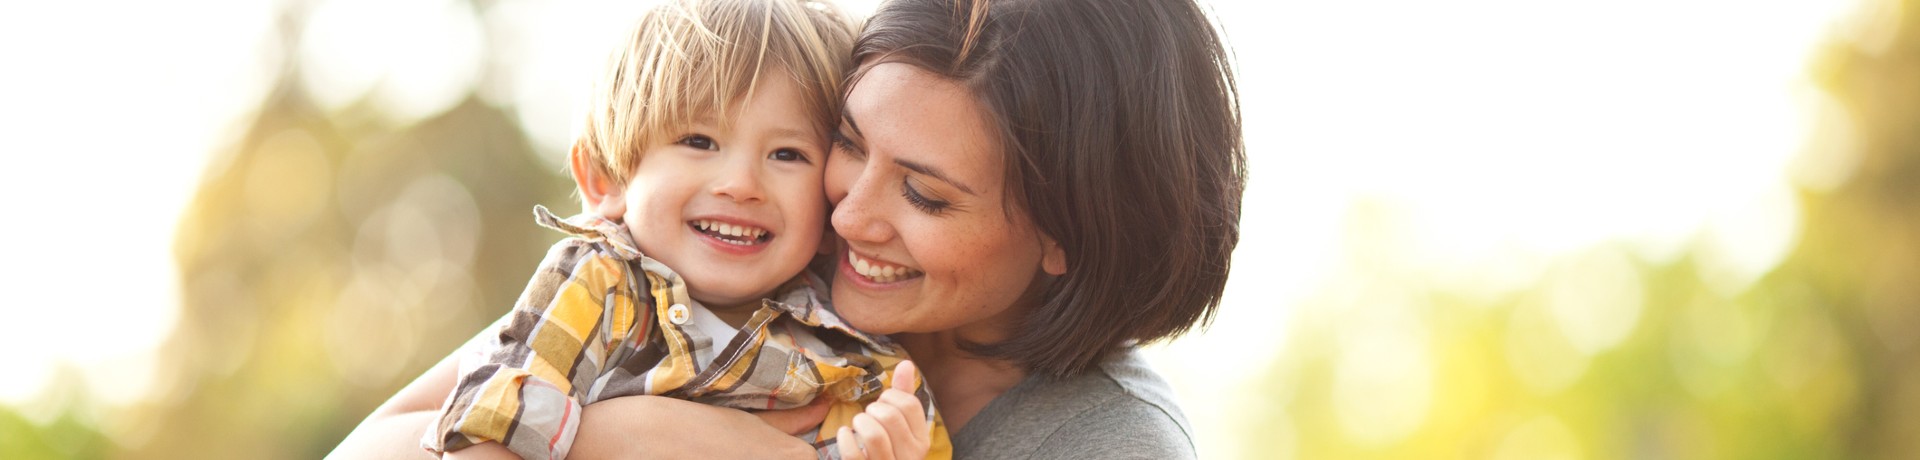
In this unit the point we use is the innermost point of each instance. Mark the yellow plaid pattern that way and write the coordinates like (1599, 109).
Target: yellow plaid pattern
(593, 324)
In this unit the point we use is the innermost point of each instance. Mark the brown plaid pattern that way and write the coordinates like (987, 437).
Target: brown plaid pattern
(594, 323)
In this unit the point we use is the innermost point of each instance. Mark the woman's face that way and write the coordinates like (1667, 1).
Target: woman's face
(928, 243)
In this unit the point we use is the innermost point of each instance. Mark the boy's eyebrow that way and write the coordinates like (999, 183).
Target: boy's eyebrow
(928, 170)
(790, 133)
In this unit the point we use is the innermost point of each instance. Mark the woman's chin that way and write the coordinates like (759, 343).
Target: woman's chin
(865, 314)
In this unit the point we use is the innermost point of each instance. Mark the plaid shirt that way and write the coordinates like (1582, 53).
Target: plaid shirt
(599, 321)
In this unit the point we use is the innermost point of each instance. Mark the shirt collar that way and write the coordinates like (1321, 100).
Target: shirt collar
(804, 298)
(592, 227)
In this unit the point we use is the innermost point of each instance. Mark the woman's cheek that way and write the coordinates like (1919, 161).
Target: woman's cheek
(840, 174)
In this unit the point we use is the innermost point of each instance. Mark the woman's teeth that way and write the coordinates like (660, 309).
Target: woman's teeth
(879, 272)
(730, 233)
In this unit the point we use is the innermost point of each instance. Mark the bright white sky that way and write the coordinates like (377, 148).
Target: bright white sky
(1498, 132)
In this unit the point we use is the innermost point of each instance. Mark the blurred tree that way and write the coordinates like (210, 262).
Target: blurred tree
(328, 260)
(1861, 251)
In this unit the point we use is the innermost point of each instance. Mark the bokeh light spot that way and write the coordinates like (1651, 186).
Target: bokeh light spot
(1543, 359)
(1596, 300)
(1383, 376)
(1541, 438)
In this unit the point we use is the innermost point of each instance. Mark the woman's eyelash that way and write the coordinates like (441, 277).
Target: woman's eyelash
(841, 142)
(927, 205)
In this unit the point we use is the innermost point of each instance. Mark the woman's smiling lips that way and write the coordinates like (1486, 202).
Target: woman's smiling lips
(876, 272)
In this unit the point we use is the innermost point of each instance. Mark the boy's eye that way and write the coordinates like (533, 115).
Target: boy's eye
(787, 155)
(699, 142)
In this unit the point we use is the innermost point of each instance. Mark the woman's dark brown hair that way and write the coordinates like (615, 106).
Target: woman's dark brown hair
(1121, 126)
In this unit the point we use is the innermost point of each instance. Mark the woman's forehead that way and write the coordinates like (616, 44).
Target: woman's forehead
(913, 114)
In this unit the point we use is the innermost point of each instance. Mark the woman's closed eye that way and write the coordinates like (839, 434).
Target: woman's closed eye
(698, 141)
(844, 144)
(922, 201)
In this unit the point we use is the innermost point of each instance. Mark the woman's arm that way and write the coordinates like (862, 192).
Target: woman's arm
(626, 427)
(661, 427)
(393, 430)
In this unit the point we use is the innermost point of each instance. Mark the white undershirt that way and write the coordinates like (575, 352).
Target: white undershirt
(711, 325)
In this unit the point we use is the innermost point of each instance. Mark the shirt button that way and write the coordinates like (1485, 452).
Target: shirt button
(679, 314)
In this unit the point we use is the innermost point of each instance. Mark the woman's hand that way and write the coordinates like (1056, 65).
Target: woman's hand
(893, 427)
(659, 427)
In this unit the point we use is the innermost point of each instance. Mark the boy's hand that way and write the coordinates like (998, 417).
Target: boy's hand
(893, 427)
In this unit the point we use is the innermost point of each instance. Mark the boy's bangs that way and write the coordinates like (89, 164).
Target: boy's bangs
(692, 62)
(734, 32)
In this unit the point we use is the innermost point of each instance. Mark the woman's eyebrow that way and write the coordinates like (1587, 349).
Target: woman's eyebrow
(916, 167)
(848, 117)
(928, 170)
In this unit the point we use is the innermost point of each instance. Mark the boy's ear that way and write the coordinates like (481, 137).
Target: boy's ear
(598, 193)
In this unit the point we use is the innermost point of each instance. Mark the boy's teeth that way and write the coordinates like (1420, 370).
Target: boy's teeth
(739, 231)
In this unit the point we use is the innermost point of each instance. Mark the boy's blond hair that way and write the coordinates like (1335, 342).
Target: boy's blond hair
(687, 58)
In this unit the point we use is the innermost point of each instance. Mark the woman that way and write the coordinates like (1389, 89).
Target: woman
(1024, 189)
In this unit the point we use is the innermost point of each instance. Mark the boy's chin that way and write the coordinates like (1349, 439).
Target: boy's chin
(734, 292)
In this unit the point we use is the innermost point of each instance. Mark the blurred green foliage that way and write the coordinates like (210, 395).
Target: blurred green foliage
(65, 437)
(1813, 360)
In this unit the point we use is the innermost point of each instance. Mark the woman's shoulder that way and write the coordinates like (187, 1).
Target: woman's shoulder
(1121, 409)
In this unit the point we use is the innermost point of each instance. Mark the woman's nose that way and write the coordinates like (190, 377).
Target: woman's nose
(859, 215)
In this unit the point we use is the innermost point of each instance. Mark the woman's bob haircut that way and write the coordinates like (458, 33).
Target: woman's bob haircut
(1120, 124)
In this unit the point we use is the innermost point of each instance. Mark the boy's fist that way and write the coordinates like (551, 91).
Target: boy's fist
(894, 427)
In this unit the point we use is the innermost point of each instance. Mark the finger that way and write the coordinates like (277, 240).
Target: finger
(909, 406)
(849, 445)
(890, 417)
(905, 375)
(798, 420)
(873, 437)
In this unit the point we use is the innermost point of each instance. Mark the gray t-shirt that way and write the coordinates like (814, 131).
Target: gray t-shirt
(1119, 410)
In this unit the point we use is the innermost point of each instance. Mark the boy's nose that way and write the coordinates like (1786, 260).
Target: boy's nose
(739, 181)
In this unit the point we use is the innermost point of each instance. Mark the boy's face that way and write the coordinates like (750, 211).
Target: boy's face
(735, 212)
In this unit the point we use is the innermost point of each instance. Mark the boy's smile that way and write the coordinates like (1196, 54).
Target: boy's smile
(731, 235)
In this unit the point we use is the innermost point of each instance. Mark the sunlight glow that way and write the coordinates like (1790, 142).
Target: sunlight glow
(111, 119)
(1502, 134)
(411, 59)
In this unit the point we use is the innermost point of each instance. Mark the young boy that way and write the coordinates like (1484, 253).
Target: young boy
(700, 168)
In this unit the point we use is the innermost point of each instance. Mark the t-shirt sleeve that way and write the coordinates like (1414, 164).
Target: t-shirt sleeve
(1126, 428)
